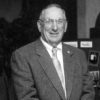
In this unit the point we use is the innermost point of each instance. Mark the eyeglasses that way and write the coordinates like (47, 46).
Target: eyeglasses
(51, 21)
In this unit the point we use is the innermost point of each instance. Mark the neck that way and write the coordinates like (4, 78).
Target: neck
(53, 44)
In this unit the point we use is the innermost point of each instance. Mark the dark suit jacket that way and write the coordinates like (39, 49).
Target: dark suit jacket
(35, 77)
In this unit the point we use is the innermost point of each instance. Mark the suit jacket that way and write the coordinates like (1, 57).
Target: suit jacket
(35, 77)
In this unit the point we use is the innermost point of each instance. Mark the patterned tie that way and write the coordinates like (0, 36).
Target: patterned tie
(58, 68)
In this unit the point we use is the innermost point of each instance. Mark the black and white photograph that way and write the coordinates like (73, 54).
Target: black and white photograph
(49, 49)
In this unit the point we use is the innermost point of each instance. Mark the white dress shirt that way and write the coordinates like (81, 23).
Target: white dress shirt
(59, 56)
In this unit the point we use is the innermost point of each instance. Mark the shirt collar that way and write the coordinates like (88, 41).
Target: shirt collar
(48, 46)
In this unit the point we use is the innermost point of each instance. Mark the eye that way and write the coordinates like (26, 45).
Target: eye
(48, 21)
(60, 21)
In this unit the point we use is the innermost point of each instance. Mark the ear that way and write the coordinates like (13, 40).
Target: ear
(39, 26)
(65, 28)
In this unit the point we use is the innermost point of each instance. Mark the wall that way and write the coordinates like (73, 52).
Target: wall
(87, 11)
(10, 9)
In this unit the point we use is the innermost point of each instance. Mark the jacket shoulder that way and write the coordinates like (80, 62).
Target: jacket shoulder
(73, 49)
(26, 49)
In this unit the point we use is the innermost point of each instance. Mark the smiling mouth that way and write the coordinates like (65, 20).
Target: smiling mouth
(54, 33)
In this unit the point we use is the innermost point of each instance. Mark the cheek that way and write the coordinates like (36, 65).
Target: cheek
(47, 28)
(61, 28)
(42, 28)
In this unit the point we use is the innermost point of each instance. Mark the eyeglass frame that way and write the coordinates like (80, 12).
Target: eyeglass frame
(51, 21)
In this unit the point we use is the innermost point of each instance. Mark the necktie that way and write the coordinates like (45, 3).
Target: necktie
(58, 68)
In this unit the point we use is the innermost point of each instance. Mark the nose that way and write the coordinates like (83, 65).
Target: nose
(54, 27)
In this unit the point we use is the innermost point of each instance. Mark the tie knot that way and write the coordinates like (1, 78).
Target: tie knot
(54, 51)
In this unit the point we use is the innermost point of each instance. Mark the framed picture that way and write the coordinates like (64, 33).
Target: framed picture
(96, 77)
(86, 44)
(93, 58)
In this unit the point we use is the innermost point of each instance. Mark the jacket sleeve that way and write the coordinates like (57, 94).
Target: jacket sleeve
(22, 78)
(88, 92)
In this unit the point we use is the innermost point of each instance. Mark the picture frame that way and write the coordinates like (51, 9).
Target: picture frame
(93, 58)
(96, 77)
(86, 44)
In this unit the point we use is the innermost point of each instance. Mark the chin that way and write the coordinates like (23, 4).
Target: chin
(55, 41)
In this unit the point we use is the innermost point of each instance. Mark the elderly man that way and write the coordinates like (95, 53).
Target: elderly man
(48, 69)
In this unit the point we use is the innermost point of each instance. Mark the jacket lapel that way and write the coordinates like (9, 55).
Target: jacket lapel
(46, 62)
(69, 68)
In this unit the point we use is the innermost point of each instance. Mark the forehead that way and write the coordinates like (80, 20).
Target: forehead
(53, 13)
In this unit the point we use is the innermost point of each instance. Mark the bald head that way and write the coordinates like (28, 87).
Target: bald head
(52, 8)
